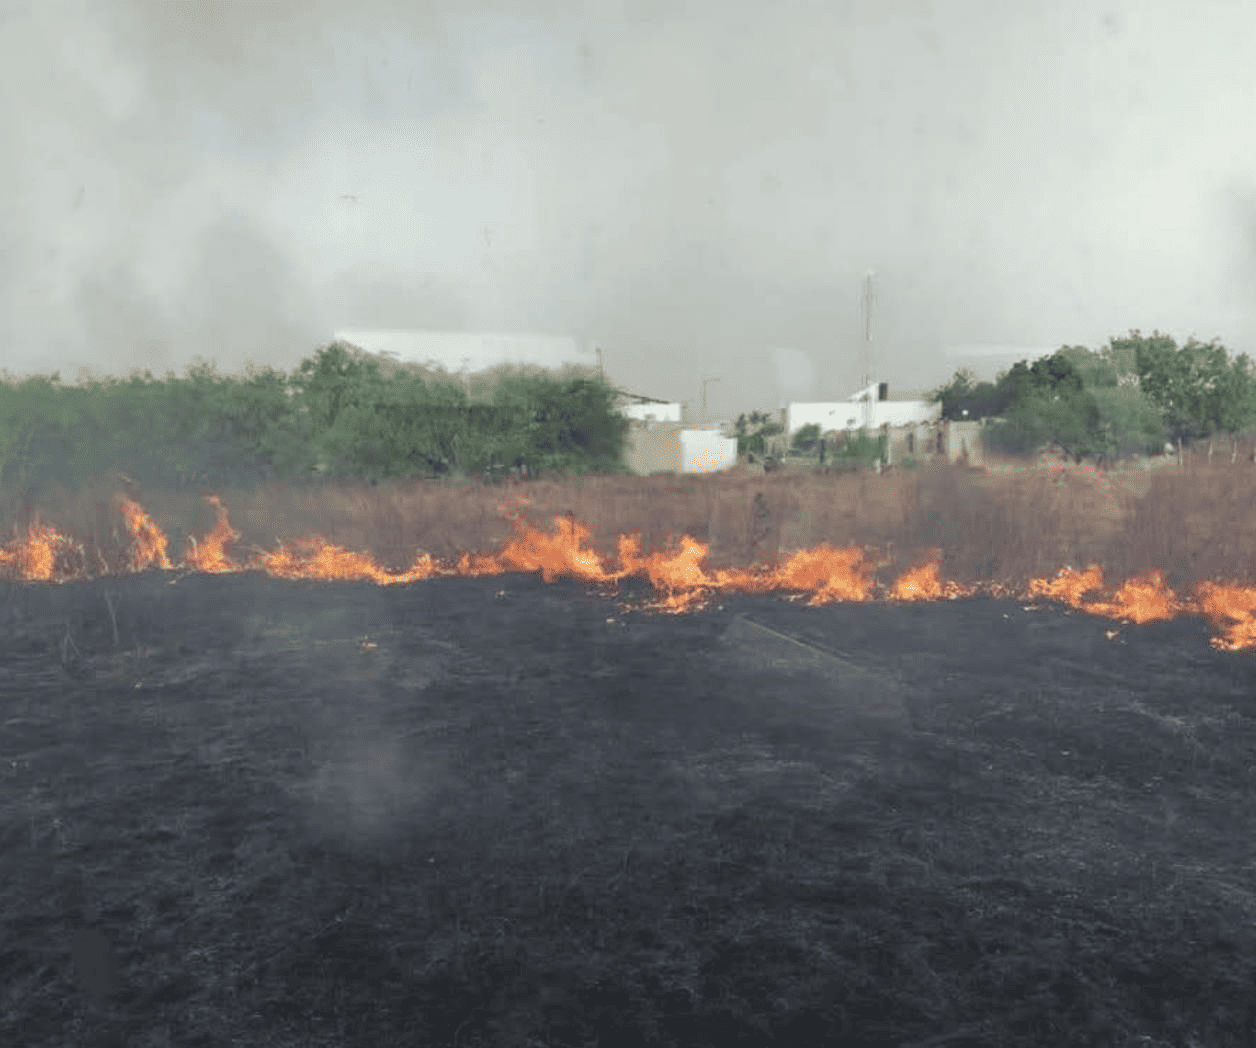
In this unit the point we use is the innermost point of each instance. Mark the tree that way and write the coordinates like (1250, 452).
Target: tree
(562, 426)
(963, 398)
(334, 380)
(1128, 422)
(1196, 387)
(806, 438)
(1085, 403)
(1037, 418)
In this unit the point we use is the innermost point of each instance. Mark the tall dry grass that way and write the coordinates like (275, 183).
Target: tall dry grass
(1001, 524)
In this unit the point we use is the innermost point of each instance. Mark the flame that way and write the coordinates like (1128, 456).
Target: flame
(1232, 611)
(1142, 600)
(35, 557)
(922, 583)
(679, 579)
(150, 543)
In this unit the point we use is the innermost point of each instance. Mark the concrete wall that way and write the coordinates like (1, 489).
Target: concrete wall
(964, 439)
(928, 440)
(653, 447)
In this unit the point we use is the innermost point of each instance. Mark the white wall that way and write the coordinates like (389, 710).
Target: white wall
(706, 450)
(660, 412)
(827, 415)
(904, 412)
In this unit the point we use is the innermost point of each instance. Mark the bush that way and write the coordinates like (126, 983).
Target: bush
(807, 438)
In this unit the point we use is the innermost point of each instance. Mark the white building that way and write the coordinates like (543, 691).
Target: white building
(870, 408)
(468, 352)
(706, 451)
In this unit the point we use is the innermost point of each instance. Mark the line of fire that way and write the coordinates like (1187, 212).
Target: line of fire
(822, 574)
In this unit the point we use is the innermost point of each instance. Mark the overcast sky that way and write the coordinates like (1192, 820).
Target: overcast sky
(686, 185)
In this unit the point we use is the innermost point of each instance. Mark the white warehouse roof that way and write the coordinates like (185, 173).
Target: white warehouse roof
(470, 352)
(657, 412)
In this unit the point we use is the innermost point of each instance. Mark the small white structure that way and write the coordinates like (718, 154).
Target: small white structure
(870, 408)
(469, 352)
(706, 451)
(673, 447)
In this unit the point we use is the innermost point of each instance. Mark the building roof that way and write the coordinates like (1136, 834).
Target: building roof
(468, 352)
(638, 398)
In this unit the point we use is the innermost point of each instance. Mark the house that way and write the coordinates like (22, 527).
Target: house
(870, 408)
(913, 428)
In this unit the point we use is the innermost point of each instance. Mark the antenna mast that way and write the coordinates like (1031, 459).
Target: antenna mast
(869, 297)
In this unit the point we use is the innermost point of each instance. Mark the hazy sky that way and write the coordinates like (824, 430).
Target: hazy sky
(686, 184)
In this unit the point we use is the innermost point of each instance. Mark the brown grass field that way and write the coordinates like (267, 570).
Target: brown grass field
(495, 810)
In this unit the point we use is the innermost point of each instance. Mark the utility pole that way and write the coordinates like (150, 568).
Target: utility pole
(600, 370)
(704, 386)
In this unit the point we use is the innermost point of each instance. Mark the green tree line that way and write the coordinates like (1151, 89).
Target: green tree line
(1127, 398)
(337, 416)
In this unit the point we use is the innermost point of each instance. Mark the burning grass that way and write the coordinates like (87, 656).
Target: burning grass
(1132, 548)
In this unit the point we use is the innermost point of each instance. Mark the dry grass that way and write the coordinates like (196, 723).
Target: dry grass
(1000, 524)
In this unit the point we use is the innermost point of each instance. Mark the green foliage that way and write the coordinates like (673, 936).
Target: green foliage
(32, 414)
(1197, 388)
(962, 394)
(222, 431)
(1128, 421)
(752, 431)
(807, 438)
(340, 415)
(336, 415)
(566, 427)
(1037, 419)
(1119, 401)
(398, 429)
(335, 380)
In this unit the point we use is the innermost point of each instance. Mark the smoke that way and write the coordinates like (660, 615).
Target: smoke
(795, 376)
(683, 186)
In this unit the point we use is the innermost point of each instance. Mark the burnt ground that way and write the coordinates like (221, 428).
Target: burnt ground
(514, 822)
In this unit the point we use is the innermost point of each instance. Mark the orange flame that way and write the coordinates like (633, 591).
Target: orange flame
(150, 543)
(35, 558)
(1140, 600)
(681, 583)
(1232, 611)
(922, 583)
